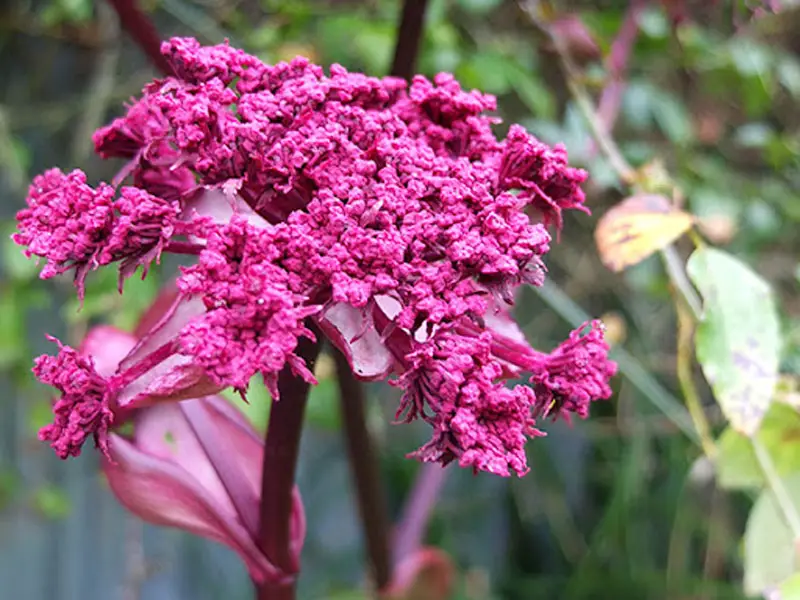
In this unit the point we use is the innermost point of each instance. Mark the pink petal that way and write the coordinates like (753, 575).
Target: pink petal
(166, 328)
(242, 441)
(156, 311)
(175, 378)
(162, 493)
(163, 432)
(218, 205)
(107, 346)
(367, 355)
(499, 319)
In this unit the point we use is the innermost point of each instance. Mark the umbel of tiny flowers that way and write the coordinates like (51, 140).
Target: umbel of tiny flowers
(193, 465)
(385, 214)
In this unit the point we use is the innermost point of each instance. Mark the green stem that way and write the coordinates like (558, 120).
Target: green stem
(685, 378)
(677, 275)
(775, 484)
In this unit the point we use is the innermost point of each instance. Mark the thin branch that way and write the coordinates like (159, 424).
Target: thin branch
(409, 35)
(617, 64)
(677, 275)
(362, 457)
(581, 96)
(144, 33)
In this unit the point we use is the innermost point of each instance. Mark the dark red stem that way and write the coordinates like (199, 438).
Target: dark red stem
(281, 449)
(181, 247)
(141, 29)
(417, 511)
(408, 38)
(617, 64)
(364, 466)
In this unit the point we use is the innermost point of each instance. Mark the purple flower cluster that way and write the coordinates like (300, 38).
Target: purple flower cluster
(387, 213)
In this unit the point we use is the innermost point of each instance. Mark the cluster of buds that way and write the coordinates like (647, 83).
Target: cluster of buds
(384, 214)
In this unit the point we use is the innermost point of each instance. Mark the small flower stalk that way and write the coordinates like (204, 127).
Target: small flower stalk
(383, 215)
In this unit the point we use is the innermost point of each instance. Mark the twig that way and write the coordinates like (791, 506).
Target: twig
(574, 82)
(617, 64)
(366, 474)
(677, 275)
(409, 35)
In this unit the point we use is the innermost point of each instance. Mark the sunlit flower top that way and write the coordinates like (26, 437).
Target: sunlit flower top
(387, 214)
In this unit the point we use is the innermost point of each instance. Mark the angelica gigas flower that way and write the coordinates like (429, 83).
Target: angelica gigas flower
(388, 215)
(194, 465)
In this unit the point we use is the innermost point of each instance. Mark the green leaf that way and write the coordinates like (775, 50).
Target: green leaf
(259, 401)
(738, 339)
(15, 264)
(52, 502)
(531, 91)
(770, 552)
(486, 71)
(478, 7)
(788, 590)
(9, 485)
(737, 467)
(673, 119)
(789, 75)
(13, 342)
(323, 405)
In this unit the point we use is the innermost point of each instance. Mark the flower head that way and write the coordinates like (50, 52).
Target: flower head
(83, 407)
(388, 215)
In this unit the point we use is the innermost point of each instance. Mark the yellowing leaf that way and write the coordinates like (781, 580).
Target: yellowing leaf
(636, 228)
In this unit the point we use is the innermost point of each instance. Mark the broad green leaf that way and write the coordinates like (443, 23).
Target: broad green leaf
(770, 552)
(738, 340)
(788, 590)
(737, 467)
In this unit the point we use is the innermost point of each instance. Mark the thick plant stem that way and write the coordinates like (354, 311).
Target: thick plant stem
(280, 458)
(365, 470)
(408, 38)
(141, 29)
